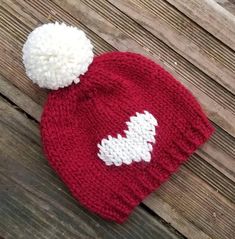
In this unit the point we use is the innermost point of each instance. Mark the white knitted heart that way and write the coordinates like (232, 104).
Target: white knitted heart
(136, 146)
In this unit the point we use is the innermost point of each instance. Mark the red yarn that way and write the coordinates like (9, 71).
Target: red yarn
(116, 86)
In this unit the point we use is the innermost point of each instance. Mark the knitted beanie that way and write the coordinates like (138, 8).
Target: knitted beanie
(116, 126)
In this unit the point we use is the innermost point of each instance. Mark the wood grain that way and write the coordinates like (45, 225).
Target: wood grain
(229, 5)
(23, 101)
(211, 16)
(35, 203)
(197, 205)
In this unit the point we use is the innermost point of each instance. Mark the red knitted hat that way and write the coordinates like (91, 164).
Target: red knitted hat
(122, 131)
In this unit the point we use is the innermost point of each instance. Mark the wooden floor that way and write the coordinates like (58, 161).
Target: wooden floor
(195, 41)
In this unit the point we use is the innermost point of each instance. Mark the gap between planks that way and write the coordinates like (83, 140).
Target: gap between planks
(211, 16)
(229, 5)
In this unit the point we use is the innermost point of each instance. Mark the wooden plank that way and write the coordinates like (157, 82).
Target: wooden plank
(219, 152)
(229, 5)
(198, 207)
(15, 95)
(211, 16)
(185, 37)
(216, 101)
(175, 218)
(35, 203)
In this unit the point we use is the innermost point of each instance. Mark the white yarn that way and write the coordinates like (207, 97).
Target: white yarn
(136, 146)
(55, 55)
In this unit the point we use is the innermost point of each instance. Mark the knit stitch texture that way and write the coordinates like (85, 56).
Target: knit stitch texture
(115, 87)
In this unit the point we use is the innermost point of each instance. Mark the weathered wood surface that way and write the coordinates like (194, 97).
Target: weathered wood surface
(199, 200)
(211, 16)
(228, 5)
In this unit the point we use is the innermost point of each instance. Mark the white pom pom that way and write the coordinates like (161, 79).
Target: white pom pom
(55, 55)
